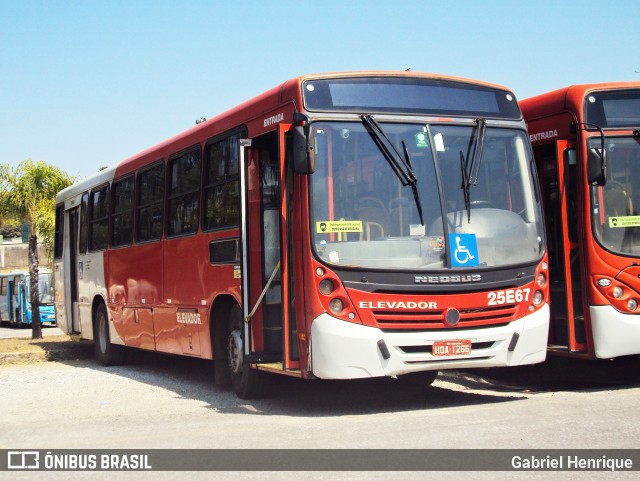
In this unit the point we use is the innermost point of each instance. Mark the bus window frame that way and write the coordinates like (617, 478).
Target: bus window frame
(139, 206)
(207, 185)
(169, 197)
(83, 228)
(113, 214)
(91, 221)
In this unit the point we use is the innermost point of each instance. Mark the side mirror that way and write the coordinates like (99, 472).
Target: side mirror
(597, 166)
(304, 150)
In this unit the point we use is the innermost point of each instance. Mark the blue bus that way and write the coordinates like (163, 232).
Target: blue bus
(15, 298)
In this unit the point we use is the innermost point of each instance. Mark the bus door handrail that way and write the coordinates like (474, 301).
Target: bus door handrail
(262, 294)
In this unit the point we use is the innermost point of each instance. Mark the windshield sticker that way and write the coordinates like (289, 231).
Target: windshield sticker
(335, 226)
(436, 243)
(422, 141)
(626, 221)
(438, 140)
(416, 230)
(464, 250)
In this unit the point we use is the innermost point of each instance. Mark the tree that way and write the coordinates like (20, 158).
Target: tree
(28, 193)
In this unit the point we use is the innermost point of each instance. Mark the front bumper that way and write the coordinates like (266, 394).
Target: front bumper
(343, 350)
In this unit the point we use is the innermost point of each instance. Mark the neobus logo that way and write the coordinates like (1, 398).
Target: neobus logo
(447, 279)
(549, 134)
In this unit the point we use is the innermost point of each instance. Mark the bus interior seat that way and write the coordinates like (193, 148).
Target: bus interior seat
(373, 213)
(617, 202)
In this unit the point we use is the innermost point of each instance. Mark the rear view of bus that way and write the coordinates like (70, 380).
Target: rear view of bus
(586, 142)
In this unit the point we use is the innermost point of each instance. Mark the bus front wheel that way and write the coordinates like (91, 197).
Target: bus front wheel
(106, 353)
(247, 383)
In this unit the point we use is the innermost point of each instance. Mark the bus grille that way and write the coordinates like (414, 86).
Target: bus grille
(390, 321)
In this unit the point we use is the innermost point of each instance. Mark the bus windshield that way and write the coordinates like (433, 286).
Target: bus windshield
(614, 207)
(475, 180)
(45, 288)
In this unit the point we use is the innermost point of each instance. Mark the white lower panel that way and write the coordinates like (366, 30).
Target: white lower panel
(614, 333)
(343, 350)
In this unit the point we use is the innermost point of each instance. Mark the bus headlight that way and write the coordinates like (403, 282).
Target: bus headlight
(617, 292)
(336, 305)
(541, 279)
(632, 304)
(538, 298)
(326, 286)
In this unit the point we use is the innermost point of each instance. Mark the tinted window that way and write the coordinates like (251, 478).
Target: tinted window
(150, 206)
(222, 184)
(183, 193)
(82, 247)
(59, 232)
(122, 212)
(98, 219)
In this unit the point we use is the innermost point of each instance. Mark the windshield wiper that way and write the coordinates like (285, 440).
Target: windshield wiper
(400, 165)
(471, 170)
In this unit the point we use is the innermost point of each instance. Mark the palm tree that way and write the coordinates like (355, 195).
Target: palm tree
(28, 193)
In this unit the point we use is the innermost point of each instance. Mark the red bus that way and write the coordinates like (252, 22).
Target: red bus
(338, 226)
(586, 141)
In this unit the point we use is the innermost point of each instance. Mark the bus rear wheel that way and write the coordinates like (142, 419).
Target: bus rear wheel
(106, 353)
(247, 383)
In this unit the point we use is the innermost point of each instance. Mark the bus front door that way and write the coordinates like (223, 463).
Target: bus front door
(265, 282)
(72, 266)
(558, 173)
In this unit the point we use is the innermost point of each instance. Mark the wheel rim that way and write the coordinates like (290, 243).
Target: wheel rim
(235, 351)
(102, 340)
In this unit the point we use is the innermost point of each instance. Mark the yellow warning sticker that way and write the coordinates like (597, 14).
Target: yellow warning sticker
(334, 226)
(626, 221)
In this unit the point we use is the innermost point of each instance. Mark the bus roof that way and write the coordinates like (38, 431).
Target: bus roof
(566, 99)
(288, 92)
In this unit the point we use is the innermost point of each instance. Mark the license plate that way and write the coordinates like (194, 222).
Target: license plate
(451, 348)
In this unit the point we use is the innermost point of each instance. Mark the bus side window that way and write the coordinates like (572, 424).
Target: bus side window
(221, 184)
(59, 232)
(84, 205)
(183, 193)
(122, 212)
(99, 219)
(150, 211)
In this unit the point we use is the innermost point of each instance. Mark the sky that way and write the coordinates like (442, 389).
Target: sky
(86, 84)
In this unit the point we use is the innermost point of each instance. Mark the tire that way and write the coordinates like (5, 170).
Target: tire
(106, 353)
(422, 378)
(247, 383)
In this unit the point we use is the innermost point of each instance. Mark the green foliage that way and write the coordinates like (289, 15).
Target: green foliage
(10, 228)
(28, 193)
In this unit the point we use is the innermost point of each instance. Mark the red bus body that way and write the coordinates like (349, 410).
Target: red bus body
(592, 223)
(308, 311)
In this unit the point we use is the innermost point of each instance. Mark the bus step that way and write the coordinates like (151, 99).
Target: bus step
(278, 367)
(263, 358)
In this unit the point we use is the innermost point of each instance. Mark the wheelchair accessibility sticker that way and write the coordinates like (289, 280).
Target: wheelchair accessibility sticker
(464, 250)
